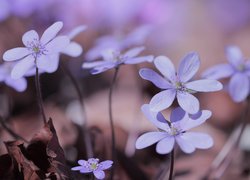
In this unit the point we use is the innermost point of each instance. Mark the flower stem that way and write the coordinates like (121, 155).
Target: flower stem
(39, 96)
(111, 121)
(171, 171)
(89, 149)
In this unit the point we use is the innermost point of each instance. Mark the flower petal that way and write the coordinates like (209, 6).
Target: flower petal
(82, 162)
(184, 144)
(30, 36)
(105, 164)
(93, 64)
(199, 140)
(18, 84)
(234, 56)
(162, 100)
(134, 52)
(177, 114)
(149, 139)
(76, 31)
(188, 102)
(99, 174)
(155, 78)
(165, 145)
(166, 67)
(73, 49)
(15, 54)
(189, 123)
(189, 66)
(85, 169)
(22, 67)
(155, 118)
(57, 45)
(204, 85)
(48, 63)
(138, 60)
(77, 168)
(51, 32)
(218, 71)
(103, 68)
(239, 87)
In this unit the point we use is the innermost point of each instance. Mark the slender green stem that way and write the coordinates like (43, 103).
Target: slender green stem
(113, 157)
(171, 171)
(39, 96)
(89, 149)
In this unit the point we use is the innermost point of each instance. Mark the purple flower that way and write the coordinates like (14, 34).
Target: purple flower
(93, 166)
(18, 84)
(119, 42)
(113, 58)
(175, 131)
(38, 52)
(176, 84)
(237, 69)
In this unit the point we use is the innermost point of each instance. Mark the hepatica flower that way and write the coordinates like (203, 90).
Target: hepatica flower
(177, 83)
(18, 84)
(114, 58)
(93, 166)
(237, 69)
(38, 52)
(175, 130)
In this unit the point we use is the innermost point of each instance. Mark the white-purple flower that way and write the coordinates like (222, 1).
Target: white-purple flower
(5, 76)
(113, 58)
(175, 131)
(38, 52)
(93, 166)
(237, 69)
(176, 83)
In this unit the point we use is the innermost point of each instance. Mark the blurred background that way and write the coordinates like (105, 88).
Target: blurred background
(168, 27)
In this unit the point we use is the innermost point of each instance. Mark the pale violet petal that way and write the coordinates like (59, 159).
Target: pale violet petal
(138, 60)
(165, 145)
(77, 168)
(218, 71)
(177, 114)
(76, 31)
(57, 45)
(48, 63)
(105, 164)
(134, 52)
(188, 102)
(155, 78)
(19, 85)
(234, 55)
(189, 123)
(73, 49)
(184, 144)
(204, 85)
(188, 66)
(166, 67)
(162, 100)
(199, 140)
(93, 64)
(82, 162)
(22, 67)
(30, 36)
(153, 118)
(51, 32)
(16, 54)
(149, 139)
(99, 174)
(103, 68)
(239, 87)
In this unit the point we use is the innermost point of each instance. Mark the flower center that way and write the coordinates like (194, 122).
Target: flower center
(241, 67)
(36, 48)
(93, 164)
(174, 131)
(180, 86)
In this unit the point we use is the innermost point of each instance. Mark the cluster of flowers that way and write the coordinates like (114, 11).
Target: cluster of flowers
(43, 54)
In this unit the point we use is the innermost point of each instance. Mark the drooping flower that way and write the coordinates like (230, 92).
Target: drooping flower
(18, 84)
(93, 166)
(38, 52)
(113, 58)
(175, 130)
(176, 83)
(119, 42)
(237, 69)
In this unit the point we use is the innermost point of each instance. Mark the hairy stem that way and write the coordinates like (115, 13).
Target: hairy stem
(39, 96)
(87, 139)
(171, 171)
(113, 157)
